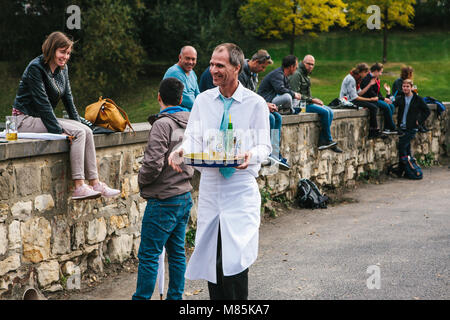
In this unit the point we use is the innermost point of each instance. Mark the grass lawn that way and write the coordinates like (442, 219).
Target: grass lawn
(428, 52)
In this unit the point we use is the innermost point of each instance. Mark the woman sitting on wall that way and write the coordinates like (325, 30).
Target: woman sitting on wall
(350, 88)
(44, 82)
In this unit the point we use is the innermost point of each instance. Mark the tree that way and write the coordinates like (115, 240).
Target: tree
(388, 13)
(280, 18)
(110, 53)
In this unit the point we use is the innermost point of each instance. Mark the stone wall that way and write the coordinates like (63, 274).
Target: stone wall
(46, 239)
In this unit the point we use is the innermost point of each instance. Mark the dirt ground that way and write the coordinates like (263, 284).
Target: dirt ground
(119, 281)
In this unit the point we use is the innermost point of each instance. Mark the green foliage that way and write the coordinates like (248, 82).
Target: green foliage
(275, 18)
(265, 195)
(111, 54)
(370, 175)
(200, 23)
(426, 160)
(278, 18)
(392, 12)
(190, 237)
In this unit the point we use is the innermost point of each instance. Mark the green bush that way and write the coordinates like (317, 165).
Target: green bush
(110, 53)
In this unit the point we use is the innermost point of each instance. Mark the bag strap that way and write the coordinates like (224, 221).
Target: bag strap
(124, 114)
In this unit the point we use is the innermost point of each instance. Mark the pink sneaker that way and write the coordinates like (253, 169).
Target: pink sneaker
(106, 191)
(85, 192)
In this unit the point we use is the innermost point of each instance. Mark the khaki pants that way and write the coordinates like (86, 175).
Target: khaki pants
(82, 149)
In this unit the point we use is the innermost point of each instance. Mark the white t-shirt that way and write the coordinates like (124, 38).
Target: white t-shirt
(348, 88)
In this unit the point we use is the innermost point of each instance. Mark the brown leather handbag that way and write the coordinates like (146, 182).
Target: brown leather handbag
(107, 114)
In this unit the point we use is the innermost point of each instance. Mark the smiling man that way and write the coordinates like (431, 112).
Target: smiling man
(226, 241)
(183, 71)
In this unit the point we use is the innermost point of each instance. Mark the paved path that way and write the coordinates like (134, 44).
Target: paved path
(401, 227)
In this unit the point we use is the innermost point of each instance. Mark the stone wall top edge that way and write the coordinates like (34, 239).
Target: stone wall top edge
(30, 148)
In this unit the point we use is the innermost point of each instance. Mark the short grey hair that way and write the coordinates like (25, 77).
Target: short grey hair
(236, 54)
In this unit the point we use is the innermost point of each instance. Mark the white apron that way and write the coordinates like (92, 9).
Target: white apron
(236, 203)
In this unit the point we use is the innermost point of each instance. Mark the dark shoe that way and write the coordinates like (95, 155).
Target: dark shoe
(282, 162)
(336, 149)
(374, 133)
(326, 145)
(423, 129)
(389, 131)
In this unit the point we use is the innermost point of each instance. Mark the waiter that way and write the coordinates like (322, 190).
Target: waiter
(226, 242)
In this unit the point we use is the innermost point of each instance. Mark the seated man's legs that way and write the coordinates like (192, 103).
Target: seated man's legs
(387, 112)
(283, 101)
(326, 117)
(275, 133)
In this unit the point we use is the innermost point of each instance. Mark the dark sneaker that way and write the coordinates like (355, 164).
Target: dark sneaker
(373, 134)
(389, 131)
(336, 149)
(326, 145)
(423, 129)
(282, 162)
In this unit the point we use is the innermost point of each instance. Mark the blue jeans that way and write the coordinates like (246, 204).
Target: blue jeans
(275, 132)
(326, 117)
(388, 111)
(164, 224)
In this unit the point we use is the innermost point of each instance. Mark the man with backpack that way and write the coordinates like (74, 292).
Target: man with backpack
(412, 112)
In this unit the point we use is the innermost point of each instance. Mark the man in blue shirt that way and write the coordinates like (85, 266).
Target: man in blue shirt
(183, 71)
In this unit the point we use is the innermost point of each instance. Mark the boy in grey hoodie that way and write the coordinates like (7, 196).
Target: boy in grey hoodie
(168, 195)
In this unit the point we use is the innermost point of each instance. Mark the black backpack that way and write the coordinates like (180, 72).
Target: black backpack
(309, 196)
(407, 168)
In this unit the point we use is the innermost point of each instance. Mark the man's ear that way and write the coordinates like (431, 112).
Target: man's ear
(181, 99)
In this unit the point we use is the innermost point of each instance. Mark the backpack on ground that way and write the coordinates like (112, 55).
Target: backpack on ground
(309, 196)
(412, 169)
(407, 168)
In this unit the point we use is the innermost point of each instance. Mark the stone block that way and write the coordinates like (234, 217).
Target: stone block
(119, 248)
(96, 231)
(36, 234)
(134, 186)
(22, 210)
(48, 272)
(4, 211)
(44, 203)
(11, 263)
(68, 268)
(60, 236)
(15, 239)
(6, 184)
(77, 235)
(28, 180)
(3, 239)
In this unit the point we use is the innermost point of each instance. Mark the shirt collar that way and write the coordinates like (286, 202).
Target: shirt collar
(237, 95)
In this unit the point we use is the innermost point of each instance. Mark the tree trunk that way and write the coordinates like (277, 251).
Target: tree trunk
(385, 35)
(292, 45)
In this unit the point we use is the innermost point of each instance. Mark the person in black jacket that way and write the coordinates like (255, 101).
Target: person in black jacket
(412, 112)
(383, 103)
(44, 82)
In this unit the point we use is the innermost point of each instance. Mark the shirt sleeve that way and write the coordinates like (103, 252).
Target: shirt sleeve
(193, 137)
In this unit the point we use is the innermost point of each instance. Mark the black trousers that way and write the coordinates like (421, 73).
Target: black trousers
(373, 110)
(404, 142)
(228, 287)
